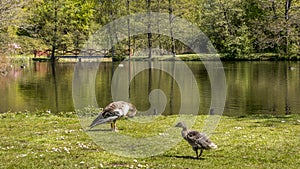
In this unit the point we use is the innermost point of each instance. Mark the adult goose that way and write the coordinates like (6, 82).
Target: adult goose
(196, 139)
(114, 111)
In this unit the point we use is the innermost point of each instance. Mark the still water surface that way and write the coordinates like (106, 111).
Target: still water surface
(252, 87)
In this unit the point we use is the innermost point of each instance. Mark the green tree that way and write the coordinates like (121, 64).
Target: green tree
(276, 26)
(236, 28)
(72, 20)
(224, 23)
(11, 15)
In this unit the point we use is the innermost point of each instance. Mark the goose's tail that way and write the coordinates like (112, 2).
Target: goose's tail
(213, 145)
(206, 143)
(100, 120)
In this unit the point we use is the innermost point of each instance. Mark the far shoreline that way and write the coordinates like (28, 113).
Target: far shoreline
(181, 57)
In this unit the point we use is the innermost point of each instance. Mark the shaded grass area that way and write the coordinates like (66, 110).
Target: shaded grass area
(42, 140)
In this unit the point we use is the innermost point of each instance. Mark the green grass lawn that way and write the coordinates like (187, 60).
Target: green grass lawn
(41, 140)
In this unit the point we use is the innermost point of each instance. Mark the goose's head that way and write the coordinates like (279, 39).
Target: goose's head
(180, 124)
(132, 111)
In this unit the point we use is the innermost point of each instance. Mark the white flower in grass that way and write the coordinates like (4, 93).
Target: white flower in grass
(67, 150)
(238, 128)
(22, 155)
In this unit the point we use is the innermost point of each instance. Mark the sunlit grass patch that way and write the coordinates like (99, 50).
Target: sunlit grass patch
(44, 140)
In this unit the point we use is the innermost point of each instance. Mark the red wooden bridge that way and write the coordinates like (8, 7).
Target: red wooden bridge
(79, 54)
(76, 53)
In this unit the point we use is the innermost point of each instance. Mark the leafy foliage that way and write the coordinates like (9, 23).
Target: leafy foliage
(236, 28)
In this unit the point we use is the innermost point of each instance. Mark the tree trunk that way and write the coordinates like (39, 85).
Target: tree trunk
(158, 31)
(52, 57)
(112, 30)
(171, 28)
(128, 26)
(287, 17)
(149, 34)
(274, 9)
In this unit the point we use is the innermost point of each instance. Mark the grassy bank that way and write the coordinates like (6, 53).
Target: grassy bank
(223, 57)
(42, 140)
(183, 57)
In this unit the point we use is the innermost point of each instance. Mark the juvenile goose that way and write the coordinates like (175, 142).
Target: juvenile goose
(196, 139)
(112, 112)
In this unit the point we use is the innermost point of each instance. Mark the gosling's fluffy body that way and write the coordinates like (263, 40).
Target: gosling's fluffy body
(198, 141)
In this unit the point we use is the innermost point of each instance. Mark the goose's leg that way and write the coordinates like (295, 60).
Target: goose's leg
(115, 126)
(196, 153)
(200, 153)
(111, 126)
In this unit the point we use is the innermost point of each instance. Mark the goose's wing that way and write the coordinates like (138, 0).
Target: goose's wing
(120, 106)
(110, 113)
(101, 120)
(125, 108)
(200, 140)
(114, 111)
(191, 137)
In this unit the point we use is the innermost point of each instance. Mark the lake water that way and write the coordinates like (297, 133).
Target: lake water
(252, 87)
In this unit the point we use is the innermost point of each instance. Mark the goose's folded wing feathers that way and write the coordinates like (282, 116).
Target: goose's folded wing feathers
(103, 120)
(106, 116)
(199, 139)
(194, 135)
(120, 107)
(114, 111)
